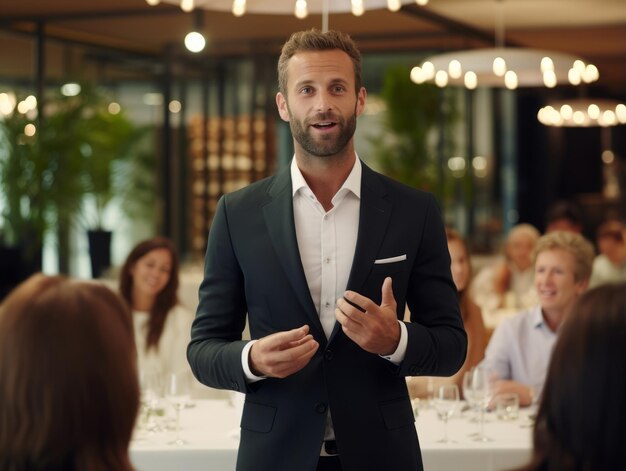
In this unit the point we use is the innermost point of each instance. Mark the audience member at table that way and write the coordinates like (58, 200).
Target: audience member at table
(581, 423)
(461, 268)
(508, 283)
(564, 216)
(69, 393)
(610, 264)
(519, 350)
(149, 284)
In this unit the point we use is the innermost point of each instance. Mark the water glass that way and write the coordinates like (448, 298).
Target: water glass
(446, 402)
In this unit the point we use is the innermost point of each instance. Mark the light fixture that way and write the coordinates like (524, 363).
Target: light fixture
(583, 112)
(502, 66)
(194, 40)
(299, 8)
(187, 5)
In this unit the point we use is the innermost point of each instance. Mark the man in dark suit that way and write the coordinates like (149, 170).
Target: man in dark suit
(323, 258)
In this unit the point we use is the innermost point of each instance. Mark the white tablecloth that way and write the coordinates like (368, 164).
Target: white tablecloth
(211, 430)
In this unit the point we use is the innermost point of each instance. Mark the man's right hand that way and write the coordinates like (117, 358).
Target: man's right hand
(283, 353)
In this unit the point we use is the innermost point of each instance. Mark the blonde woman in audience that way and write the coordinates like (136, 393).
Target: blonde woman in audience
(69, 394)
(509, 283)
(520, 348)
(149, 284)
(581, 423)
(461, 268)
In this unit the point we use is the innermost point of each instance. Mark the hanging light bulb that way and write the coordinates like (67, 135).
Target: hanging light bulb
(239, 7)
(421, 2)
(153, 2)
(187, 5)
(357, 7)
(195, 41)
(499, 66)
(301, 9)
(441, 78)
(454, 69)
(510, 80)
(470, 80)
(394, 5)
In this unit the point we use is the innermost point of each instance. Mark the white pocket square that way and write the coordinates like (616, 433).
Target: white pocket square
(382, 261)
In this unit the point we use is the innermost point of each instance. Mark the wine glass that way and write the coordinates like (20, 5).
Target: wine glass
(468, 395)
(177, 393)
(445, 402)
(482, 384)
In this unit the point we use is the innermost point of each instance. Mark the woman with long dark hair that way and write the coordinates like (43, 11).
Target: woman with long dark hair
(149, 284)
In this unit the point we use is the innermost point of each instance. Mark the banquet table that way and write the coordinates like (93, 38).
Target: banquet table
(211, 430)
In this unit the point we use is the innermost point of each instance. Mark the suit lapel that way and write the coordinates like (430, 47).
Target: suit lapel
(373, 220)
(278, 213)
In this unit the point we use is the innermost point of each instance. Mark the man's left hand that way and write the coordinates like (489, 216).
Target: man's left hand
(376, 330)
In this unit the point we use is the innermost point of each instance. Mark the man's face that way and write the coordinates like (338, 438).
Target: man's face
(555, 280)
(321, 105)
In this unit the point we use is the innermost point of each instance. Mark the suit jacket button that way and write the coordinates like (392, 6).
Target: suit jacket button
(328, 355)
(321, 408)
(413, 370)
(234, 385)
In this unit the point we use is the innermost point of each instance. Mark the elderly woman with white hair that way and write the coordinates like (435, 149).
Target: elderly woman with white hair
(508, 283)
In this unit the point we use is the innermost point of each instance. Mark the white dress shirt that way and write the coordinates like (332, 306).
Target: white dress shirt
(327, 241)
(520, 349)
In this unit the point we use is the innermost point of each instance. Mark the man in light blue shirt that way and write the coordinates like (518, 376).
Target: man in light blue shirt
(519, 350)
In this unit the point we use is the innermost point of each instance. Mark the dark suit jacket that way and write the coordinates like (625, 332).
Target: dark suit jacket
(253, 266)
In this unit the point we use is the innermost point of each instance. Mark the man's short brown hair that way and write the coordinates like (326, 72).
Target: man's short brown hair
(315, 40)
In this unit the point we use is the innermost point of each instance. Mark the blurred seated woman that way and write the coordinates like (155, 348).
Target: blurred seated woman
(508, 283)
(149, 284)
(610, 265)
(461, 269)
(68, 380)
(581, 423)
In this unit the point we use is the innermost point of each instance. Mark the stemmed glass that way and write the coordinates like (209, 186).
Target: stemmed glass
(468, 395)
(446, 401)
(177, 393)
(482, 387)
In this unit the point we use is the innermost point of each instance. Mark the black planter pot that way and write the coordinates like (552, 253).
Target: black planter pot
(16, 266)
(99, 251)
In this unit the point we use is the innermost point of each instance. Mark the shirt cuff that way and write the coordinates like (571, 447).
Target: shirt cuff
(245, 353)
(397, 357)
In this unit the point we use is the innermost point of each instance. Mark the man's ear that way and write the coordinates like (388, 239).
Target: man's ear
(360, 101)
(283, 109)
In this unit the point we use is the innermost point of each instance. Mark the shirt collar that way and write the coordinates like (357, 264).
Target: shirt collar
(537, 317)
(352, 183)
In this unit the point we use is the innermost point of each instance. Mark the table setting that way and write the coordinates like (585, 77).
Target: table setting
(208, 436)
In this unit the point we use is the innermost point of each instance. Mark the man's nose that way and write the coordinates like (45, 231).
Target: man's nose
(324, 102)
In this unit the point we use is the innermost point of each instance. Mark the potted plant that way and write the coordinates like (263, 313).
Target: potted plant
(405, 149)
(65, 174)
(28, 186)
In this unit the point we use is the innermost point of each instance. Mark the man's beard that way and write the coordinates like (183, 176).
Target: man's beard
(323, 146)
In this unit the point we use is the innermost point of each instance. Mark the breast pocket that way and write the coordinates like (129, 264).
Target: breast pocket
(389, 269)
